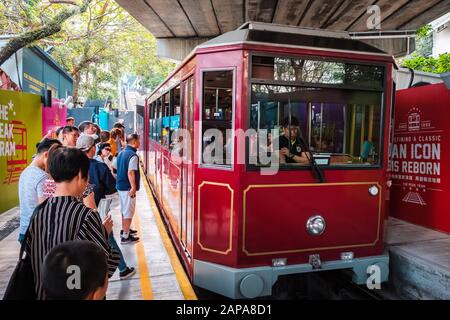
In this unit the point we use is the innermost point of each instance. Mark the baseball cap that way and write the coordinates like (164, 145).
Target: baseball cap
(85, 142)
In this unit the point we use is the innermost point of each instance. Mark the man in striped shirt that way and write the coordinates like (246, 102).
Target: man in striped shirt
(64, 217)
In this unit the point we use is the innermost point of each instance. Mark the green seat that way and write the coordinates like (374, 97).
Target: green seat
(366, 150)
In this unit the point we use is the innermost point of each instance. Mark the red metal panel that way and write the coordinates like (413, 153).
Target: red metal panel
(420, 176)
(215, 208)
(279, 213)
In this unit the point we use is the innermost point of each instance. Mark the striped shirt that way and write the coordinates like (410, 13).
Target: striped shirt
(62, 219)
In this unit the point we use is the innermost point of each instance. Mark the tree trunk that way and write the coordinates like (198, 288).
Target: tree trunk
(54, 26)
(76, 86)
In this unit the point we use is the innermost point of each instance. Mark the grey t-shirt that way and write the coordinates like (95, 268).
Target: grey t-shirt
(133, 164)
(31, 184)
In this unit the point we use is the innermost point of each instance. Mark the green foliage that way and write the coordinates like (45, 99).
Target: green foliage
(429, 64)
(104, 45)
(424, 31)
(421, 59)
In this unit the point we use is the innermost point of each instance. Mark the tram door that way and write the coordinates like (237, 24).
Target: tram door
(187, 167)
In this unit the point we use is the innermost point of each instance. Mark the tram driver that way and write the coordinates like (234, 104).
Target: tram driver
(292, 148)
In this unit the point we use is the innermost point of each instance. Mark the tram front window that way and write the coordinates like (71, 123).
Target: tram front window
(336, 126)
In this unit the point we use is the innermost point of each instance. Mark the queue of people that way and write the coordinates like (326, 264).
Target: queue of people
(58, 197)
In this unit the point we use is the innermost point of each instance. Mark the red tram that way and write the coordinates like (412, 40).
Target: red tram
(237, 227)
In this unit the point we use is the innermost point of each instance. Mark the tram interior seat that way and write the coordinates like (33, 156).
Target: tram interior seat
(367, 150)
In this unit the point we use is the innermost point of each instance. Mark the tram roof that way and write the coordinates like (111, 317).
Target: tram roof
(283, 35)
(273, 34)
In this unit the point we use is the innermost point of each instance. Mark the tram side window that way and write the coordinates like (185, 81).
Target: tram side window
(165, 127)
(150, 120)
(338, 127)
(317, 71)
(158, 120)
(217, 114)
(154, 115)
(175, 119)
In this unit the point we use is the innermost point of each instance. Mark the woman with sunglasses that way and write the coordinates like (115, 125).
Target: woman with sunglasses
(104, 155)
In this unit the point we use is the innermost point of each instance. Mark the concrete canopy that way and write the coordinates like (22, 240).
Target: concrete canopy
(180, 25)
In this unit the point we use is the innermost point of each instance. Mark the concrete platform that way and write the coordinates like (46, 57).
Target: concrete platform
(159, 276)
(419, 261)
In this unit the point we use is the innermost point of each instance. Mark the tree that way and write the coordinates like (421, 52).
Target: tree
(440, 64)
(39, 21)
(98, 46)
(102, 46)
(421, 59)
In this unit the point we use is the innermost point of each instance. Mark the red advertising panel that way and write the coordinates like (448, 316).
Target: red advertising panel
(420, 156)
(53, 117)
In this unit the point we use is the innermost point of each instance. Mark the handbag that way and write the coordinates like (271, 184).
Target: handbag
(21, 284)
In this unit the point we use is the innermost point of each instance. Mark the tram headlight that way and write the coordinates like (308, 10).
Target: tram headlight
(280, 262)
(373, 190)
(315, 225)
(347, 255)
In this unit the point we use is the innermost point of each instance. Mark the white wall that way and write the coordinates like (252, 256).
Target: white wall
(404, 77)
(10, 65)
(441, 39)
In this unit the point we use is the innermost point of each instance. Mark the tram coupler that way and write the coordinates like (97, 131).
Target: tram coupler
(315, 262)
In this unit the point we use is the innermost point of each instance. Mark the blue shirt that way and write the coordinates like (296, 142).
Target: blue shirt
(125, 162)
(102, 179)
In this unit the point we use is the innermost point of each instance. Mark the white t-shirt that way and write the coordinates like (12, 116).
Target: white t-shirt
(31, 183)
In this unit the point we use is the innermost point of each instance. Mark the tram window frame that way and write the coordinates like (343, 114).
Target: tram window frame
(383, 96)
(166, 102)
(166, 109)
(225, 166)
(158, 119)
(150, 120)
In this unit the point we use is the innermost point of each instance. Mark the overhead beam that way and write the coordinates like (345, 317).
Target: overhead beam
(201, 15)
(427, 16)
(410, 10)
(353, 11)
(387, 8)
(289, 11)
(147, 17)
(260, 10)
(209, 18)
(319, 12)
(229, 14)
(173, 16)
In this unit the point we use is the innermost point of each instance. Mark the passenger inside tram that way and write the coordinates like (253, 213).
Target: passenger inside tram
(292, 148)
(336, 128)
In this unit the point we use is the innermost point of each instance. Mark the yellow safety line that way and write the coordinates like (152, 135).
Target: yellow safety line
(182, 278)
(144, 276)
